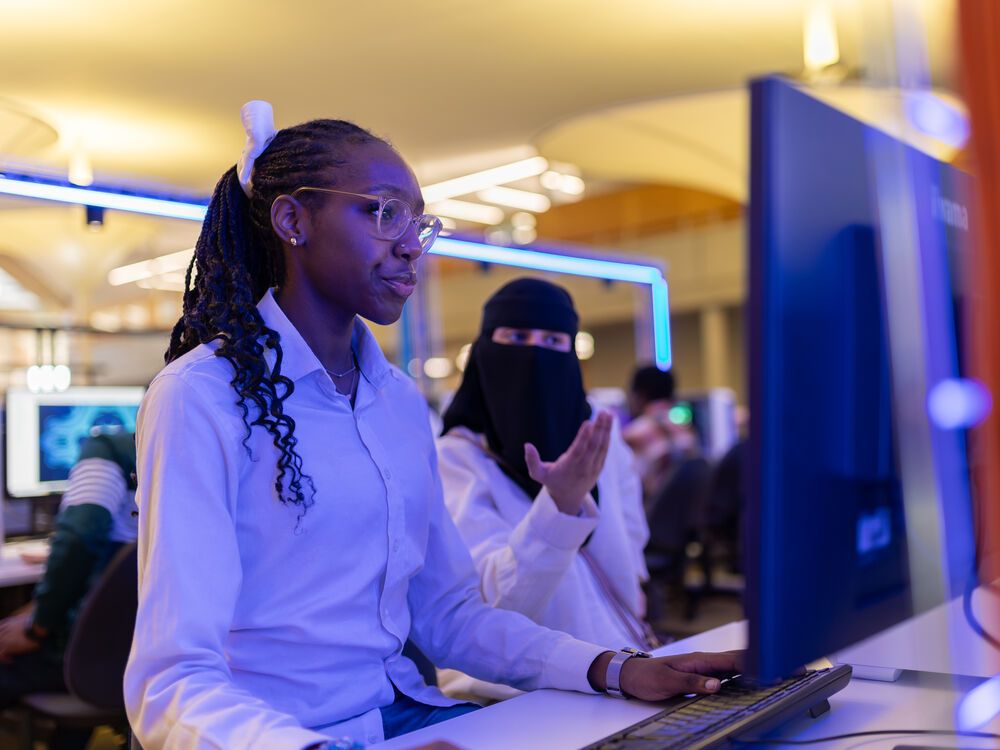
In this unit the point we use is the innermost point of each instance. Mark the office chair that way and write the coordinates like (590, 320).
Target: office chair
(94, 662)
(675, 519)
(723, 522)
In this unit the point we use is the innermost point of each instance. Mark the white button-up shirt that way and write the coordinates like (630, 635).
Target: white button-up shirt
(530, 556)
(269, 625)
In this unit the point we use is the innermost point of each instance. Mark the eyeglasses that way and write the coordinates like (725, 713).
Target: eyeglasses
(393, 217)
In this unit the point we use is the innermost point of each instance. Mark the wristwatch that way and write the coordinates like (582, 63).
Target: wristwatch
(614, 676)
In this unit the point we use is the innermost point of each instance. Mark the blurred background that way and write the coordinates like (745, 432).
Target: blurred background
(638, 110)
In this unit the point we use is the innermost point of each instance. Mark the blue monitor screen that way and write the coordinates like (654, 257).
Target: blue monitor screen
(62, 428)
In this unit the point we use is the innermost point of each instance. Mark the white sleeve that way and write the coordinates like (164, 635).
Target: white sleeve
(95, 481)
(178, 687)
(629, 486)
(520, 566)
(456, 629)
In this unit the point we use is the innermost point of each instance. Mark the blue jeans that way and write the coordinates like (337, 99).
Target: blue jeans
(407, 715)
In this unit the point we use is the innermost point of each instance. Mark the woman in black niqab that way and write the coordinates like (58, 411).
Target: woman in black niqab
(523, 394)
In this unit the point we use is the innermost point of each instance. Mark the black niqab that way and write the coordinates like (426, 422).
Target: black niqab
(523, 394)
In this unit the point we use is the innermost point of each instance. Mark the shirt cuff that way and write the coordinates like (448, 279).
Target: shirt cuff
(568, 663)
(546, 522)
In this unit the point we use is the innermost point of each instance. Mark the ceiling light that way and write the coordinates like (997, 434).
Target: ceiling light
(820, 48)
(167, 282)
(521, 199)
(48, 378)
(470, 183)
(498, 235)
(571, 185)
(437, 367)
(465, 211)
(568, 184)
(551, 180)
(523, 235)
(27, 187)
(584, 345)
(146, 269)
(80, 171)
(523, 219)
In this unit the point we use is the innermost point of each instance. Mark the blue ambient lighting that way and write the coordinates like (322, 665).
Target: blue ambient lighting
(611, 270)
(978, 707)
(48, 191)
(958, 403)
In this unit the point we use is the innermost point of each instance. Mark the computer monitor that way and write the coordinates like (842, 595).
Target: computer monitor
(829, 559)
(712, 414)
(44, 432)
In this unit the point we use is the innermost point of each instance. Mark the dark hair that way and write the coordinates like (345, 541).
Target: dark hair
(650, 383)
(238, 257)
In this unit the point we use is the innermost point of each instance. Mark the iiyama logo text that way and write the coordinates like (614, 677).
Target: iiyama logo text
(952, 213)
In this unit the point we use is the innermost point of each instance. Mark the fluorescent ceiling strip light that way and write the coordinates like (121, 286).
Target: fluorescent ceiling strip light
(522, 200)
(466, 211)
(470, 183)
(610, 270)
(141, 204)
(146, 269)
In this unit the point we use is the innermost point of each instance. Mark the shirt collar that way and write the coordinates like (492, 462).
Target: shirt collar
(298, 360)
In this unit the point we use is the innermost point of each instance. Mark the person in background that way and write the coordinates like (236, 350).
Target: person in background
(658, 442)
(292, 533)
(542, 489)
(96, 517)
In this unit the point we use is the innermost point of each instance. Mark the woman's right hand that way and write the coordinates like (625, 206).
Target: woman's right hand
(571, 476)
(663, 677)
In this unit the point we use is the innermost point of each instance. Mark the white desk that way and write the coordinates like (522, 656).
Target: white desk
(13, 570)
(553, 720)
(957, 648)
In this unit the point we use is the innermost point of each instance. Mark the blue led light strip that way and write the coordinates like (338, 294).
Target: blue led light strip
(142, 204)
(576, 266)
(611, 270)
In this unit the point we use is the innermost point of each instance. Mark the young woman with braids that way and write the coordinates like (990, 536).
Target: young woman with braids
(292, 534)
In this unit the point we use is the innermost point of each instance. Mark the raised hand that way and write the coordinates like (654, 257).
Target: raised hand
(571, 476)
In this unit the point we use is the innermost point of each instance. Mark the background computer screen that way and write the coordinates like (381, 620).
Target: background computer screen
(828, 550)
(44, 432)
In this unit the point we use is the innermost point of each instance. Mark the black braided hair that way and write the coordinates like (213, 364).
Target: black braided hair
(238, 257)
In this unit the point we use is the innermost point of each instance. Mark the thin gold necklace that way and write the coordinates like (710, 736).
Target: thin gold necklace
(345, 373)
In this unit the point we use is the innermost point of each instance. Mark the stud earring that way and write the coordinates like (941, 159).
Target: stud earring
(294, 241)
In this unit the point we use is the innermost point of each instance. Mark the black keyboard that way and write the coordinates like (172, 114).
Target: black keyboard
(741, 708)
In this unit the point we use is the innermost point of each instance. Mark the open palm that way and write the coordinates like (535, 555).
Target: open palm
(570, 477)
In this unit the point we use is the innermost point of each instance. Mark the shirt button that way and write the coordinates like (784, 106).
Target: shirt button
(395, 546)
(372, 739)
(387, 474)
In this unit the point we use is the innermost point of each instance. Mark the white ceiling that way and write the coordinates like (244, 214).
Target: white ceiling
(151, 91)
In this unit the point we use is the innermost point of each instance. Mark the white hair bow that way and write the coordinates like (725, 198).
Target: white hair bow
(258, 122)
